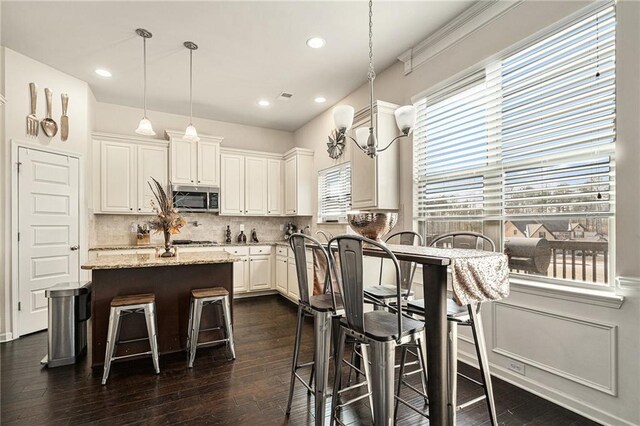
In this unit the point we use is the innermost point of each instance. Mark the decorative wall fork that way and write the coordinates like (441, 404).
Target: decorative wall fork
(33, 124)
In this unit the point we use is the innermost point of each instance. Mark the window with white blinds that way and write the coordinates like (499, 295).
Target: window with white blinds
(530, 135)
(334, 193)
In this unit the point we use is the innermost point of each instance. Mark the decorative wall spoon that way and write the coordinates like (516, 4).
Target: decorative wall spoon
(49, 126)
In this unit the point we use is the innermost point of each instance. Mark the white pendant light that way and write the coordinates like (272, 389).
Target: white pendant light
(191, 133)
(145, 128)
(366, 137)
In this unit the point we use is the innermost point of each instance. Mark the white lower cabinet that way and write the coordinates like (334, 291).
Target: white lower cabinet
(292, 281)
(281, 274)
(287, 275)
(260, 272)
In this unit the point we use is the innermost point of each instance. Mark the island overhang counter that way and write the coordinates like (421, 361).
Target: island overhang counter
(171, 281)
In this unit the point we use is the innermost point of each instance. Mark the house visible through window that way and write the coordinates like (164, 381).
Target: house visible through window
(522, 150)
(334, 193)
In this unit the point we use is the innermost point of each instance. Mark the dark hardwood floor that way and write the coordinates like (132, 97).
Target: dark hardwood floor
(252, 390)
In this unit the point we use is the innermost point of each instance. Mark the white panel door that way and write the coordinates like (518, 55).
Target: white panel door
(290, 185)
(274, 191)
(48, 231)
(256, 185)
(152, 163)
(183, 162)
(118, 192)
(260, 273)
(208, 163)
(232, 184)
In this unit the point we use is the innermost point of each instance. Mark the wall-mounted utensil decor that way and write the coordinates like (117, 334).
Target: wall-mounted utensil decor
(33, 124)
(49, 126)
(64, 120)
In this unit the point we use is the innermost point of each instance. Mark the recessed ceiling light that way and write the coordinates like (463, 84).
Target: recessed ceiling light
(320, 99)
(103, 73)
(263, 103)
(316, 42)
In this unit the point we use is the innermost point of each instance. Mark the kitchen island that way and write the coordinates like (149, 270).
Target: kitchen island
(171, 280)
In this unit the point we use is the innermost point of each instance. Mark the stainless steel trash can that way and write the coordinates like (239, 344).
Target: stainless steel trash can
(69, 310)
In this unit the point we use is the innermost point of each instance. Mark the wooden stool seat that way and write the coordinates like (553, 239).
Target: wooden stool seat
(202, 293)
(133, 299)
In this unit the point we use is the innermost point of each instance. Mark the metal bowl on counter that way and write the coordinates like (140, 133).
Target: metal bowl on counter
(373, 225)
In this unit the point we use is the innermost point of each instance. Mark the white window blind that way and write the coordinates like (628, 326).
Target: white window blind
(531, 134)
(334, 193)
(558, 122)
(456, 140)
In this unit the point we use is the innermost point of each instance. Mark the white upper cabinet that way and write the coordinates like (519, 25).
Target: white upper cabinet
(117, 177)
(232, 185)
(183, 162)
(255, 195)
(194, 163)
(208, 163)
(152, 163)
(298, 191)
(375, 182)
(275, 182)
(252, 182)
(123, 168)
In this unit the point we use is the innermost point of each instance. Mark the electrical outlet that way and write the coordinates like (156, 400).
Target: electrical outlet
(281, 227)
(241, 227)
(516, 366)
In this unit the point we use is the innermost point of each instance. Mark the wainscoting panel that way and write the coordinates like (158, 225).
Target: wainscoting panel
(574, 348)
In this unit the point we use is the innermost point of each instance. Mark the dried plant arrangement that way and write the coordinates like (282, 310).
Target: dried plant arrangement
(167, 220)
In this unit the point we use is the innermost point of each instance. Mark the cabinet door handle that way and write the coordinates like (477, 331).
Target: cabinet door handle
(139, 209)
(130, 208)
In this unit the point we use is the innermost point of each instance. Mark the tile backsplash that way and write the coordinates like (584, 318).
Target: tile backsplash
(115, 229)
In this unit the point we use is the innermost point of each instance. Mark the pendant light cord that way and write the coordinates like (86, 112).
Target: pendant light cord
(190, 87)
(144, 54)
(371, 75)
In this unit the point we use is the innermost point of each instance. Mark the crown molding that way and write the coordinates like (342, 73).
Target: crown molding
(178, 134)
(471, 20)
(113, 137)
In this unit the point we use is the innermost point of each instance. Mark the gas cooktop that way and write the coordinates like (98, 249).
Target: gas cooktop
(188, 242)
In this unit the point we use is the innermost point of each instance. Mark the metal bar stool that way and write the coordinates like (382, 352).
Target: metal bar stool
(379, 332)
(126, 305)
(383, 294)
(200, 298)
(387, 292)
(468, 316)
(322, 308)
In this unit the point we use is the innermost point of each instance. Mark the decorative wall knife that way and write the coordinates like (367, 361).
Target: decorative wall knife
(64, 120)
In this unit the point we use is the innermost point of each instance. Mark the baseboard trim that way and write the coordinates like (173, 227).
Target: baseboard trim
(559, 398)
(6, 337)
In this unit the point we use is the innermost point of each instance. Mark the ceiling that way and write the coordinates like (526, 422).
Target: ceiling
(247, 50)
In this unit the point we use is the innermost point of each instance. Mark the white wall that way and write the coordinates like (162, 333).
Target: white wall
(574, 349)
(18, 72)
(120, 119)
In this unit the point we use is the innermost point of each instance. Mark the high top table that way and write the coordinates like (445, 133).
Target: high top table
(434, 278)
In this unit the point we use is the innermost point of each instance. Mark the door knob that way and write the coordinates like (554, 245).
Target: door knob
(74, 248)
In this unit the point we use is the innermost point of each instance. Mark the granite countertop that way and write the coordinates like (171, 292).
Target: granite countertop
(126, 261)
(159, 245)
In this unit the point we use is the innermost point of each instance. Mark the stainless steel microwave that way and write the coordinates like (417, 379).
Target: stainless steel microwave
(189, 198)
